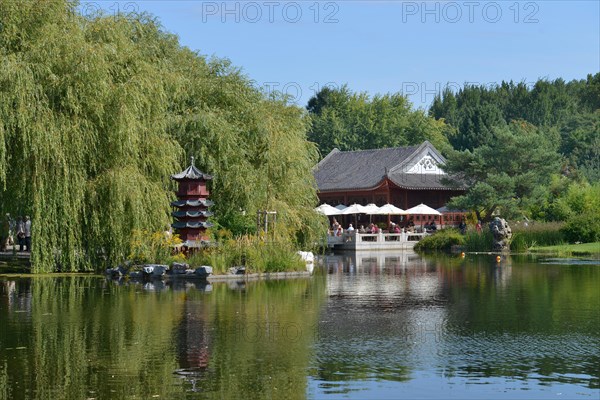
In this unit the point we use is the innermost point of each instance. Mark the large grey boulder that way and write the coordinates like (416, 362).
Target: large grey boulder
(502, 234)
(203, 271)
(179, 268)
(155, 269)
(117, 272)
(237, 270)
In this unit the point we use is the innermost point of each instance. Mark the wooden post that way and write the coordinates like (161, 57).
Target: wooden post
(388, 201)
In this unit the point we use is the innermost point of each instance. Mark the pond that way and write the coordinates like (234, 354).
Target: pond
(364, 326)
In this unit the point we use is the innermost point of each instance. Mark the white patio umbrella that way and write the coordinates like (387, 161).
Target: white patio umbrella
(390, 209)
(341, 207)
(422, 209)
(371, 209)
(328, 210)
(354, 209)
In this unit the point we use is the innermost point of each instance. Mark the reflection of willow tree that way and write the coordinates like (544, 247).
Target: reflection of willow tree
(260, 345)
(4, 391)
(83, 332)
(83, 337)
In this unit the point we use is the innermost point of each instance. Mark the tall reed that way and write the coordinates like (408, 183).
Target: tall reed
(250, 251)
(479, 241)
(526, 236)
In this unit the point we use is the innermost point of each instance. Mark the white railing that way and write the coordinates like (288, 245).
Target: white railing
(349, 237)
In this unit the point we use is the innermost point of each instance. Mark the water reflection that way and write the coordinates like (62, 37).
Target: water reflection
(83, 337)
(399, 322)
(365, 326)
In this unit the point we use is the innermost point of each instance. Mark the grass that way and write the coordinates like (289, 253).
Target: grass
(536, 234)
(525, 237)
(582, 249)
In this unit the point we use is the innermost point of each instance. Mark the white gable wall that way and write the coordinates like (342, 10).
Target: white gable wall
(427, 164)
(426, 160)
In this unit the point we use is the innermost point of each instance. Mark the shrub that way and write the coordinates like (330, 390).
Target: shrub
(582, 228)
(442, 240)
(154, 247)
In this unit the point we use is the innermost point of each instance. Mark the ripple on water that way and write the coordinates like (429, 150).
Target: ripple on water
(569, 261)
(545, 358)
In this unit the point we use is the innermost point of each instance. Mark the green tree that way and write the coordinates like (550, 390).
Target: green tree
(503, 174)
(355, 121)
(580, 143)
(85, 150)
(474, 111)
(256, 146)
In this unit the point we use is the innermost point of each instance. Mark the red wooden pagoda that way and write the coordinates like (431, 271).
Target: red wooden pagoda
(191, 208)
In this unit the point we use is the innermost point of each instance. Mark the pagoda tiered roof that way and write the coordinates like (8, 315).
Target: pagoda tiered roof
(191, 207)
(192, 225)
(192, 203)
(191, 214)
(191, 173)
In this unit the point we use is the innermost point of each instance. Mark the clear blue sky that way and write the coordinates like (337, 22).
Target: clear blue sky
(386, 46)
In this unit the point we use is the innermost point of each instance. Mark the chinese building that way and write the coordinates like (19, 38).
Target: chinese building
(402, 176)
(191, 208)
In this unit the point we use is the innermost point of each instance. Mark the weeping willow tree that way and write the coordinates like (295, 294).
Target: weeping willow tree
(85, 149)
(255, 145)
(97, 113)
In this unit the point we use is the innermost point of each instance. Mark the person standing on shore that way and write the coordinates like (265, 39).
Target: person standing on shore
(20, 233)
(27, 230)
(12, 225)
(4, 233)
(463, 226)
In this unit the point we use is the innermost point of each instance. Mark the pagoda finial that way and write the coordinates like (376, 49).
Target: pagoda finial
(192, 161)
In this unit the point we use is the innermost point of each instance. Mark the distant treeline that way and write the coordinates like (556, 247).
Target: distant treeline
(571, 108)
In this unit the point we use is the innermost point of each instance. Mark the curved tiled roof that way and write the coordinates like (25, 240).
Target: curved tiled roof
(192, 203)
(419, 181)
(192, 173)
(191, 214)
(193, 225)
(367, 169)
(363, 169)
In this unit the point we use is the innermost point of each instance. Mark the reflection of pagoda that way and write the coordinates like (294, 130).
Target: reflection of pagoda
(191, 207)
(194, 337)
